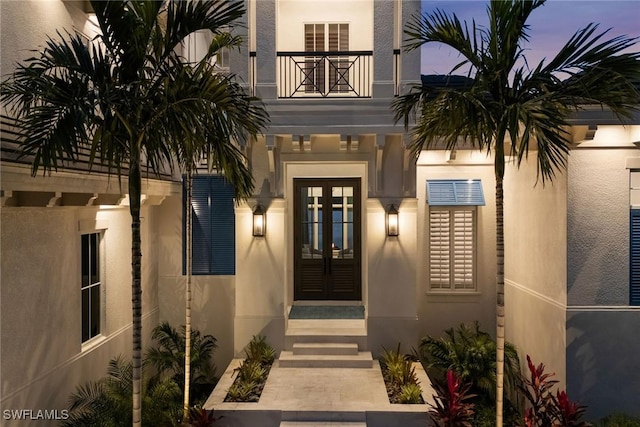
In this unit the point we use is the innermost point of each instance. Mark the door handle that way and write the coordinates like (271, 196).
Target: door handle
(326, 266)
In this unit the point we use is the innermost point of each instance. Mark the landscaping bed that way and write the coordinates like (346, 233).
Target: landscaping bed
(400, 378)
(252, 373)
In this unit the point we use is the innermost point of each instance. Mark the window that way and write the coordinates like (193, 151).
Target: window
(452, 241)
(325, 74)
(213, 220)
(91, 285)
(453, 233)
(634, 256)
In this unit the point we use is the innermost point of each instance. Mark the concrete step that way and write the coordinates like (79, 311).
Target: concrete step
(321, 418)
(363, 359)
(333, 348)
(327, 323)
(325, 331)
(322, 424)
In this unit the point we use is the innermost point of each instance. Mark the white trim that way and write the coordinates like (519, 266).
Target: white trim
(574, 308)
(603, 308)
(78, 356)
(536, 294)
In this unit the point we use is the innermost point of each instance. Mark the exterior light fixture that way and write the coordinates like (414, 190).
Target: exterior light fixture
(392, 221)
(259, 223)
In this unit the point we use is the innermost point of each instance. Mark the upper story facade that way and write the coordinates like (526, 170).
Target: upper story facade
(327, 64)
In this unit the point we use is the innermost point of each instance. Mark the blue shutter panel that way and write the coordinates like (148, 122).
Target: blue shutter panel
(223, 227)
(214, 226)
(634, 254)
(201, 220)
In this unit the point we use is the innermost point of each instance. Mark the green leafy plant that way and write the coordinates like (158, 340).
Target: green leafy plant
(453, 406)
(250, 371)
(547, 409)
(471, 354)
(199, 417)
(618, 420)
(258, 349)
(253, 371)
(410, 393)
(167, 358)
(108, 403)
(398, 372)
(242, 392)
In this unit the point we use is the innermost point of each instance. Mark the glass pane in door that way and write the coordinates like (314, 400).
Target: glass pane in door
(311, 226)
(342, 222)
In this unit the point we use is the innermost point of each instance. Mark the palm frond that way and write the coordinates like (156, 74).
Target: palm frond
(185, 18)
(447, 29)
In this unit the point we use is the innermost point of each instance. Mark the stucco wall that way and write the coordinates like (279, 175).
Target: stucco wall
(601, 326)
(535, 265)
(25, 24)
(602, 362)
(598, 227)
(43, 359)
(292, 15)
(443, 310)
(213, 297)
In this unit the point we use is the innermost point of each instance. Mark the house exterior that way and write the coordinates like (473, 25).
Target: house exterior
(329, 170)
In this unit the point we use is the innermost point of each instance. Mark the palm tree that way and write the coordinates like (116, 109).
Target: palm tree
(236, 116)
(507, 101)
(129, 98)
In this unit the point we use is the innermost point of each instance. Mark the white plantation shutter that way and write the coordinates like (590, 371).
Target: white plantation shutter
(330, 74)
(452, 248)
(439, 249)
(463, 249)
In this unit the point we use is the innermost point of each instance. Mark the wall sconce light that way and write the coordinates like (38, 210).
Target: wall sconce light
(259, 223)
(392, 221)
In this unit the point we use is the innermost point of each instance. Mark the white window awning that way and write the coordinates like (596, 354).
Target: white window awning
(455, 192)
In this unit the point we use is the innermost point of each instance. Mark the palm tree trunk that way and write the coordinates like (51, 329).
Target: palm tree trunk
(135, 185)
(187, 322)
(500, 299)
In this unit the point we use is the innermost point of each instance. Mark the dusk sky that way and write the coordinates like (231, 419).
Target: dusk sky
(551, 25)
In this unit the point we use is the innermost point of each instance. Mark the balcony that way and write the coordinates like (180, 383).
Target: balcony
(334, 74)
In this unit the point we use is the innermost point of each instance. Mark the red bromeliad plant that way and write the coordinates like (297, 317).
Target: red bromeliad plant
(452, 407)
(547, 410)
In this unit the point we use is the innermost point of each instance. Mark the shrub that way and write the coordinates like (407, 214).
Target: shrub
(108, 402)
(250, 371)
(453, 406)
(547, 409)
(618, 420)
(198, 417)
(259, 350)
(167, 358)
(399, 373)
(410, 393)
(471, 354)
(253, 372)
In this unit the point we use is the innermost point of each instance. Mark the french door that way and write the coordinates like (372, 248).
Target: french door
(327, 252)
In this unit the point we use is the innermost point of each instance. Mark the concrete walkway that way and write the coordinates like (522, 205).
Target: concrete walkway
(304, 397)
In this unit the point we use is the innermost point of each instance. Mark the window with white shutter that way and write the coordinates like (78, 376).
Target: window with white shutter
(323, 73)
(452, 241)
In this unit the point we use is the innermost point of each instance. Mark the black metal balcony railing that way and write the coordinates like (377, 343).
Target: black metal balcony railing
(325, 74)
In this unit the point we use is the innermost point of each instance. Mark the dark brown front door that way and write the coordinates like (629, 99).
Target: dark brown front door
(327, 239)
